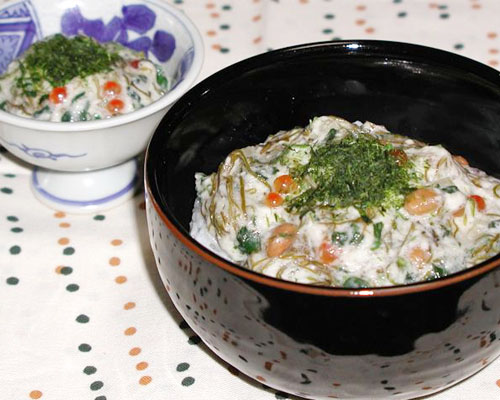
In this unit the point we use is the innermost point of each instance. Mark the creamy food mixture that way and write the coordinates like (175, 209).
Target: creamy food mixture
(348, 205)
(78, 79)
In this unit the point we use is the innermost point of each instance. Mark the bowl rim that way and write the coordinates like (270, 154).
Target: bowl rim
(169, 98)
(203, 87)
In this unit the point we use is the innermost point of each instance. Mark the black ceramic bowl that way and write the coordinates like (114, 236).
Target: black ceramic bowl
(399, 342)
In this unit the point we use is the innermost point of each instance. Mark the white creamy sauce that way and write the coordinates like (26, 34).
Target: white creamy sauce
(130, 84)
(341, 247)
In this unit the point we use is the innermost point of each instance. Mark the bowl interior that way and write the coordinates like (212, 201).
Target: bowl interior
(430, 95)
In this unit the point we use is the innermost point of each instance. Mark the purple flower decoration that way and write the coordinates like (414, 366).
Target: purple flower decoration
(138, 18)
(71, 21)
(141, 44)
(163, 45)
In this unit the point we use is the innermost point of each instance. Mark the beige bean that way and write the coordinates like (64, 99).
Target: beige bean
(419, 256)
(281, 239)
(422, 201)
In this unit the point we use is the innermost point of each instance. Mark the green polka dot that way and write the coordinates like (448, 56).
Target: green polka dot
(12, 218)
(15, 250)
(327, 31)
(89, 370)
(337, 38)
(68, 251)
(176, 2)
(72, 287)
(96, 385)
(6, 190)
(84, 348)
(182, 367)
(104, 397)
(9, 175)
(183, 325)
(397, 1)
(443, 7)
(459, 46)
(224, 50)
(99, 217)
(329, 16)
(281, 396)
(444, 16)
(402, 14)
(194, 340)
(82, 318)
(12, 280)
(16, 229)
(187, 381)
(66, 270)
(226, 7)
(224, 27)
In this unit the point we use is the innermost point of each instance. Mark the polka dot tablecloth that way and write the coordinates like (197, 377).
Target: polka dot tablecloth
(83, 314)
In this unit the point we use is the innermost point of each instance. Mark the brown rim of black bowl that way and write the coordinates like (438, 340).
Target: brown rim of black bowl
(396, 290)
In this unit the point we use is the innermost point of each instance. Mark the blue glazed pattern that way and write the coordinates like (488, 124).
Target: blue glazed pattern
(42, 153)
(137, 18)
(18, 30)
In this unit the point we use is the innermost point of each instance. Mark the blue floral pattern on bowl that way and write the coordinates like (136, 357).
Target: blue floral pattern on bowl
(137, 18)
(42, 153)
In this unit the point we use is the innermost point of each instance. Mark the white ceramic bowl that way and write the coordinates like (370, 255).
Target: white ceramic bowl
(90, 166)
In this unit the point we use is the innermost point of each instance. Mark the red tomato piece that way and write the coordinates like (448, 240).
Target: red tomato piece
(480, 203)
(112, 88)
(115, 106)
(135, 63)
(284, 184)
(58, 94)
(328, 252)
(273, 199)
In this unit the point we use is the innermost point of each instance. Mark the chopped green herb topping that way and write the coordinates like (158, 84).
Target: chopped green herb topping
(60, 59)
(247, 241)
(377, 233)
(355, 282)
(354, 171)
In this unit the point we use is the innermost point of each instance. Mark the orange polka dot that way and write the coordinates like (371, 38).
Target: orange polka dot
(121, 279)
(59, 214)
(130, 331)
(134, 351)
(257, 40)
(35, 394)
(129, 305)
(114, 261)
(64, 225)
(260, 378)
(216, 46)
(142, 365)
(215, 15)
(492, 35)
(433, 5)
(476, 6)
(58, 269)
(116, 242)
(145, 380)
(256, 18)
(370, 30)
(63, 241)
(498, 383)
(493, 63)
(211, 33)
(360, 22)
(493, 51)
(304, 1)
(361, 8)
(210, 5)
